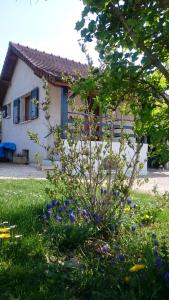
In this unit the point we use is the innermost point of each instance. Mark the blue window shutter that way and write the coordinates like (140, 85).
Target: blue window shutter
(16, 111)
(64, 107)
(34, 107)
(4, 111)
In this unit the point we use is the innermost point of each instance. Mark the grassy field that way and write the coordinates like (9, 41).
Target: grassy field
(31, 266)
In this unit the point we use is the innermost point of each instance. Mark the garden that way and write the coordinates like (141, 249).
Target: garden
(51, 249)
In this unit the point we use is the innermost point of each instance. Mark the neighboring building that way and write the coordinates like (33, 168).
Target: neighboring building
(22, 80)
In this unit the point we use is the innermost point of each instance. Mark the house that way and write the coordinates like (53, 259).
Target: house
(22, 80)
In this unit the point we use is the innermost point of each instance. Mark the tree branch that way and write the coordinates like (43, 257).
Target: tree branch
(154, 60)
(162, 94)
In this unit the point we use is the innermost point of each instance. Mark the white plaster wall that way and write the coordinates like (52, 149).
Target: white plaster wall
(55, 108)
(23, 81)
(128, 152)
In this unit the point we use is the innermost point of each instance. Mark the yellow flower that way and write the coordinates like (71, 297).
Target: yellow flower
(137, 268)
(5, 235)
(126, 209)
(146, 217)
(126, 279)
(4, 230)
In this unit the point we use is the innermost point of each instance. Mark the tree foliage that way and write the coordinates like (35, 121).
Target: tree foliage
(132, 40)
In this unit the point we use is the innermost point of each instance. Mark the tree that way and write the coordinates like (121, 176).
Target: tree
(132, 40)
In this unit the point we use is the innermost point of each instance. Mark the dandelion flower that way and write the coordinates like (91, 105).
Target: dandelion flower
(4, 230)
(147, 217)
(126, 209)
(5, 236)
(137, 268)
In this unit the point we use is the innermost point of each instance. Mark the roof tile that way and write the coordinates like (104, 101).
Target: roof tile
(49, 63)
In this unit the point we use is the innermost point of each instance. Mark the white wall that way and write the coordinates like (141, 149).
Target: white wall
(23, 81)
(128, 152)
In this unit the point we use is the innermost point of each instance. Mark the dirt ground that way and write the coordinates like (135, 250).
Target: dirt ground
(158, 178)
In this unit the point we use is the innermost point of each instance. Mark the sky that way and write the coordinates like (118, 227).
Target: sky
(46, 25)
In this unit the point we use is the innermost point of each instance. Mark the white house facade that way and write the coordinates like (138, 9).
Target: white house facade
(21, 82)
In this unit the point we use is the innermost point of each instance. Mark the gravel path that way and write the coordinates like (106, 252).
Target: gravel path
(16, 171)
(157, 178)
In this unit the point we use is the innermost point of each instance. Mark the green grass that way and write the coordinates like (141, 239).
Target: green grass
(27, 273)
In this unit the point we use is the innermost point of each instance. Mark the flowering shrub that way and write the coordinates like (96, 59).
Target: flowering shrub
(99, 212)
(86, 164)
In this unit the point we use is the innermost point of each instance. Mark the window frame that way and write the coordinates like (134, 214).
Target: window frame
(7, 111)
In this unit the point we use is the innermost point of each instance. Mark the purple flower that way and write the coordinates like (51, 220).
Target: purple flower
(54, 202)
(58, 218)
(66, 202)
(128, 201)
(132, 205)
(72, 217)
(49, 206)
(46, 216)
(166, 277)
(85, 212)
(115, 193)
(155, 242)
(105, 248)
(86, 218)
(97, 219)
(60, 209)
(85, 215)
(133, 227)
(159, 262)
(121, 257)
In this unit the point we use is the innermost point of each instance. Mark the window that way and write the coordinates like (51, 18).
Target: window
(7, 110)
(16, 111)
(26, 108)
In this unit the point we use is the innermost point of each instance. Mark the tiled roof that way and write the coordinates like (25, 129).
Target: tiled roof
(49, 63)
(50, 66)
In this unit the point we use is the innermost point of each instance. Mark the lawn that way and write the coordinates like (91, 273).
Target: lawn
(52, 262)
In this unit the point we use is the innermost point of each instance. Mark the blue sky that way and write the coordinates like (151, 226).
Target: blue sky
(47, 25)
